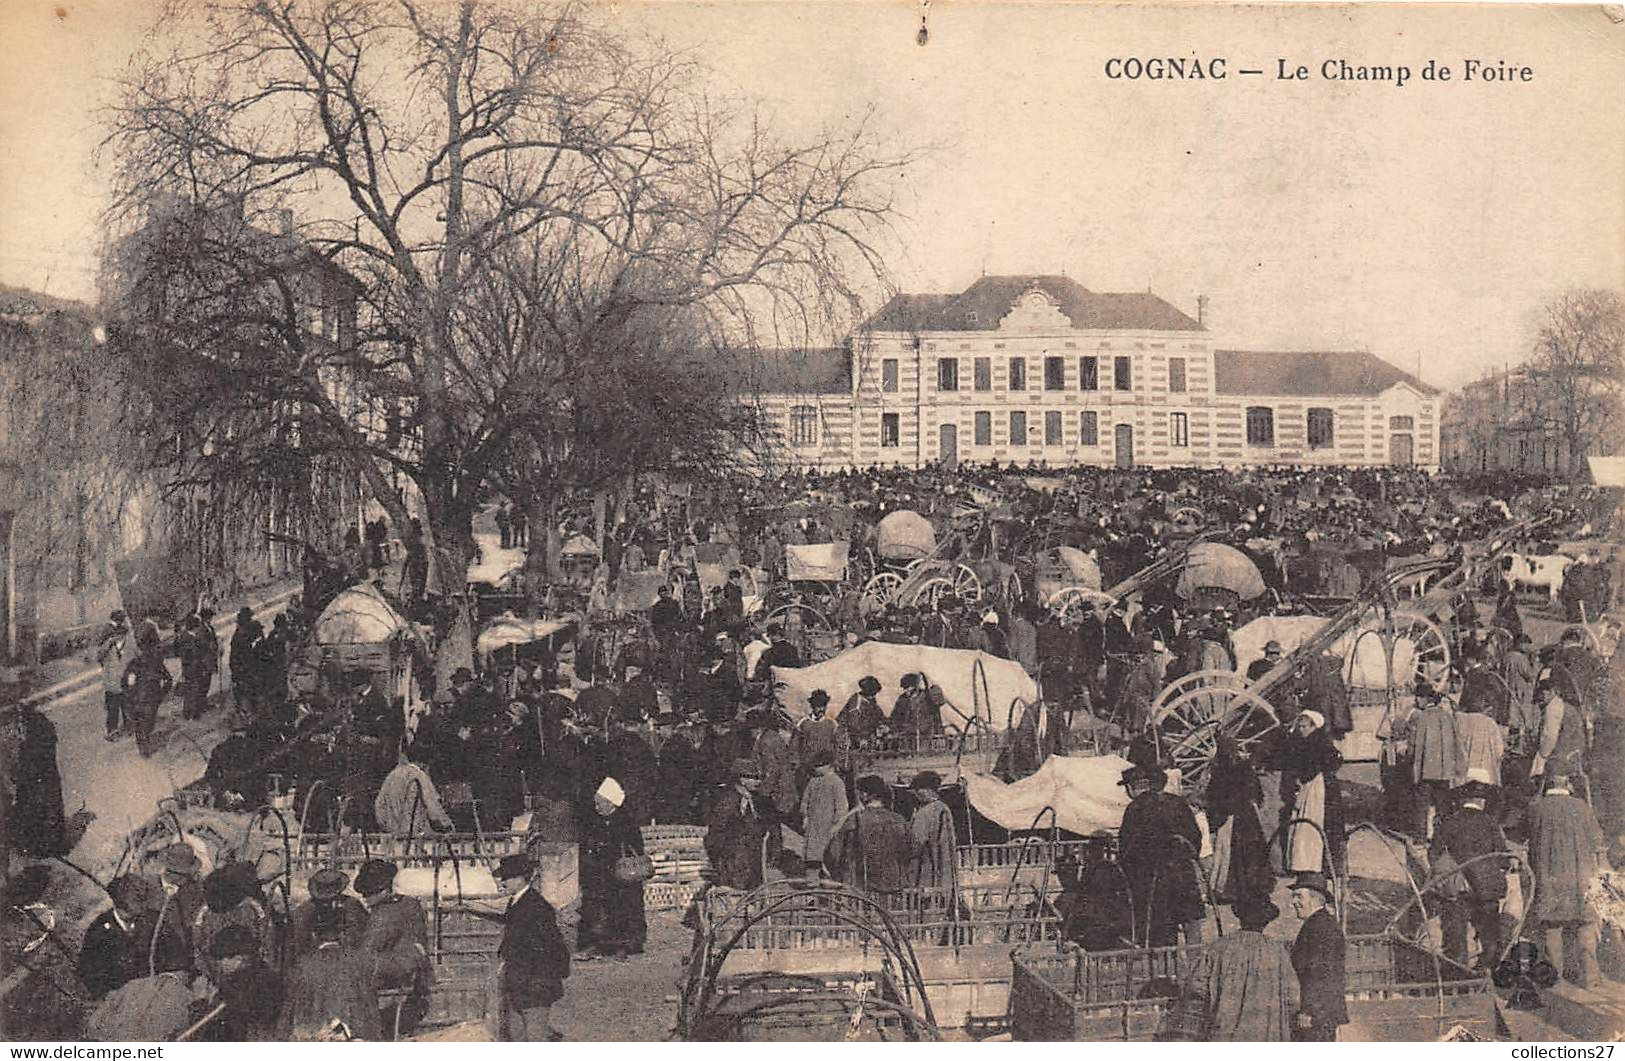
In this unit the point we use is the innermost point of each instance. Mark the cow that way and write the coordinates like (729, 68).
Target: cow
(1536, 572)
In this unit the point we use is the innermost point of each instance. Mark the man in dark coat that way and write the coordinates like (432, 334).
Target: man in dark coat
(779, 653)
(739, 822)
(197, 653)
(326, 894)
(397, 938)
(1471, 837)
(36, 817)
(1159, 843)
(861, 717)
(244, 659)
(115, 948)
(334, 981)
(535, 958)
(250, 989)
(872, 848)
(1317, 958)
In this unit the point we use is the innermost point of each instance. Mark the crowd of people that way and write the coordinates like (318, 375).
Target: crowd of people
(675, 718)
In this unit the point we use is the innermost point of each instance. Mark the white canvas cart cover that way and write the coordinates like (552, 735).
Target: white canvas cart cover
(954, 670)
(637, 591)
(1607, 471)
(1218, 566)
(905, 535)
(816, 563)
(712, 562)
(1044, 484)
(509, 630)
(359, 616)
(579, 545)
(1083, 790)
(1070, 566)
(1367, 670)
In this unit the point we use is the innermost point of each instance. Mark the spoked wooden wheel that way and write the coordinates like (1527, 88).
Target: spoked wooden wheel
(882, 589)
(1187, 518)
(1431, 649)
(1073, 599)
(928, 593)
(1013, 590)
(965, 582)
(1200, 679)
(804, 616)
(1191, 723)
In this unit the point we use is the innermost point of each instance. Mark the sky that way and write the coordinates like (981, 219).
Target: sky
(1427, 222)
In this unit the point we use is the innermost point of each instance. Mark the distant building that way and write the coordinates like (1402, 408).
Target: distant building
(1041, 369)
(1504, 423)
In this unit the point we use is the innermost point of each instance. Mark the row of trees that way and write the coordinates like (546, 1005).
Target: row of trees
(1578, 370)
(548, 233)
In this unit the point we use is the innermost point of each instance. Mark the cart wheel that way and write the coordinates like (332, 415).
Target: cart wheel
(1200, 679)
(804, 615)
(882, 589)
(965, 583)
(1014, 591)
(927, 593)
(1073, 598)
(1190, 724)
(1431, 647)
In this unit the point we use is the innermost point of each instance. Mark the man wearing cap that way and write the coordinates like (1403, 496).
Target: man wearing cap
(823, 806)
(1566, 851)
(1562, 738)
(931, 830)
(397, 937)
(780, 653)
(740, 824)
(173, 949)
(861, 717)
(871, 848)
(1471, 839)
(1318, 957)
(114, 651)
(1158, 844)
(250, 989)
(327, 899)
(1250, 990)
(534, 955)
(612, 915)
(332, 981)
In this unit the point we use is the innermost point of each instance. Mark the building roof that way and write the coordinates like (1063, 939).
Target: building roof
(980, 307)
(1308, 373)
(818, 370)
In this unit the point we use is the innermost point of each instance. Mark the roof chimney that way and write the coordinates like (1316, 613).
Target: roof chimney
(1201, 310)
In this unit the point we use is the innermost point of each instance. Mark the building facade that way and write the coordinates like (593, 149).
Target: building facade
(1507, 423)
(1040, 369)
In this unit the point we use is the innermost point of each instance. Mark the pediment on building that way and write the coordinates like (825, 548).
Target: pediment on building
(1034, 311)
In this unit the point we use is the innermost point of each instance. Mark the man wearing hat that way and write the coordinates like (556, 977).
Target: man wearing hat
(1470, 838)
(183, 899)
(741, 825)
(871, 848)
(327, 898)
(244, 658)
(1318, 958)
(1561, 743)
(913, 716)
(1260, 667)
(861, 716)
(397, 937)
(332, 981)
(535, 958)
(931, 831)
(1159, 843)
(114, 651)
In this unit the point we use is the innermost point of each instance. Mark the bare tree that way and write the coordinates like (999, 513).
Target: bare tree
(421, 147)
(1580, 372)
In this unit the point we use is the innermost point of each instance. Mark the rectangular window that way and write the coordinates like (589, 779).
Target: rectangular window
(1088, 373)
(947, 373)
(1320, 428)
(1089, 428)
(1179, 429)
(1052, 428)
(891, 431)
(1260, 426)
(888, 375)
(1401, 423)
(1176, 375)
(1018, 373)
(984, 373)
(803, 425)
(1121, 378)
(984, 429)
(1054, 373)
(1018, 429)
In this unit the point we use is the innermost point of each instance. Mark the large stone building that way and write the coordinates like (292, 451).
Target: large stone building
(1040, 369)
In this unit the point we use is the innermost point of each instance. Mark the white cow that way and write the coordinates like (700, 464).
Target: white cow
(1536, 572)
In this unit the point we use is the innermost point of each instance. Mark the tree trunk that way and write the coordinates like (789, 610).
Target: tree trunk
(537, 562)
